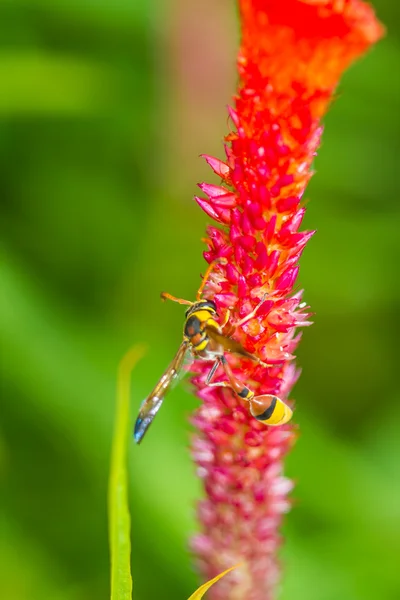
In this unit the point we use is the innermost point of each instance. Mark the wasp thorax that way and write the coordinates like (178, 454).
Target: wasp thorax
(270, 410)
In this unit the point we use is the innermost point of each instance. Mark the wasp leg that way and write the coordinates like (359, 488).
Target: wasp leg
(212, 371)
(224, 384)
(219, 361)
(226, 318)
(252, 314)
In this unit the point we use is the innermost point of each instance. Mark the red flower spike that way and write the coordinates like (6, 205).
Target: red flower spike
(292, 55)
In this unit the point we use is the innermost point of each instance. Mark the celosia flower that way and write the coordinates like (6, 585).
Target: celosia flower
(291, 57)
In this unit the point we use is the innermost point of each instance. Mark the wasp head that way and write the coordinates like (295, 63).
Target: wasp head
(202, 305)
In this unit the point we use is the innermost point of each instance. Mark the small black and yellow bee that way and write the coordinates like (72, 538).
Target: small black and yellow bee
(203, 339)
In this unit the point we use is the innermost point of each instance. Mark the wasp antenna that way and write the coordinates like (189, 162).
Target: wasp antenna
(165, 296)
(218, 261)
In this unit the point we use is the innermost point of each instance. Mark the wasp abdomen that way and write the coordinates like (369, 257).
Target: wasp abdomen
(270, 410)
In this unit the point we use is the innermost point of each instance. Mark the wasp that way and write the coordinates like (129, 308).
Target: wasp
(204, 339)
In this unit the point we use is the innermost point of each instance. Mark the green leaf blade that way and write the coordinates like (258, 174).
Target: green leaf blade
(119, 517)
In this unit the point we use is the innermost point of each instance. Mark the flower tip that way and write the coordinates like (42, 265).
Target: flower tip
(218, 213)
(218, 166)
(234, 116)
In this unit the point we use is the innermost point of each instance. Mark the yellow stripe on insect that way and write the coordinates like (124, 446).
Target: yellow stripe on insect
(202, 345)
(204, 317)
(270, 410)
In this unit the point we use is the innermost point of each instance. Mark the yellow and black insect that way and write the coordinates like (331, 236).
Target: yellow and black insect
(204, 339)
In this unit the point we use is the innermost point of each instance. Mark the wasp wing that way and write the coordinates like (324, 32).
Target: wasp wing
(151, 405)
(229, 344)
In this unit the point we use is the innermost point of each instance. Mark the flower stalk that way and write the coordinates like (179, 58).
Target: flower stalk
(291, 57)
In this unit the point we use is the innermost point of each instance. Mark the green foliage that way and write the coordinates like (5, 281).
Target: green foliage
(97, 219)
(118, 509)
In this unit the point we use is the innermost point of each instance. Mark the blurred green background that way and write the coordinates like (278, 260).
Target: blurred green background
(104, 109)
